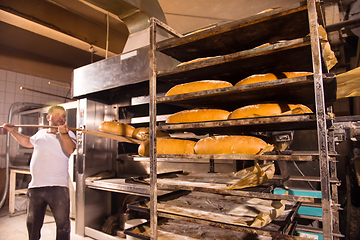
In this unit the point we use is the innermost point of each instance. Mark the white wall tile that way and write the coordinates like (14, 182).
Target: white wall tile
(10, 87)
(29, 81)
(28, 98)
(2, 108)
(2, 85)
(37, 82)
(28, 92)
(9, 97)
(2, 97)
(37, 100)
(18, 90)
(3, 74)
(7, 107)
(11, 76)
(19, 98)
(53, 89)
(20, 78)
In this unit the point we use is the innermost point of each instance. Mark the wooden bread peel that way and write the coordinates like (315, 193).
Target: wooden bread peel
(117, 137)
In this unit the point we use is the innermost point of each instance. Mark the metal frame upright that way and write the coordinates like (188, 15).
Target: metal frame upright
(321, 121)
(152, 124)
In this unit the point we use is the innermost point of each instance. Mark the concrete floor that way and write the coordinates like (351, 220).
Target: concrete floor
(14, 227)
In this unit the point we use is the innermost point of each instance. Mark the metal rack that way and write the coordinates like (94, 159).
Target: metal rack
(233, 55)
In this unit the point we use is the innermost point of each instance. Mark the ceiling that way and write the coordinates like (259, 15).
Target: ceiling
(75, 33)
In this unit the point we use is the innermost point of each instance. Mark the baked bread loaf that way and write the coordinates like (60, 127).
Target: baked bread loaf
(116, 128)
(296, 74)
(197, 86)
(198, 115)
(168, 146)
(257, 78)
(268, 109)
(231, 144)
(143, 133)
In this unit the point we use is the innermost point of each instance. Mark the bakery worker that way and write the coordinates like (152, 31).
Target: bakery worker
(49, 173)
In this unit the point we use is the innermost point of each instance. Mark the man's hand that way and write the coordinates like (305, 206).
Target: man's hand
(63, 129)
(9, 127)
(20, 138)
(66, 141)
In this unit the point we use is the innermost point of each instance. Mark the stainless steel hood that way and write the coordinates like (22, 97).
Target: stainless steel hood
(135, 14)
(106, 80)
(99, 80)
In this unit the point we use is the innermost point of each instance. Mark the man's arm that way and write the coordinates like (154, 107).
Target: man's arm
(66, 142)
(20, 138)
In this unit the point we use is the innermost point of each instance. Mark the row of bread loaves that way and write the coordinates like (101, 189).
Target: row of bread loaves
(216, 84)
(255, 110)
(224, 144)
(127, 130)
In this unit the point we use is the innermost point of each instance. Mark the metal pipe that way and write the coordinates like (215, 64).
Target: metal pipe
(7, 158)
(60, 85)
(32, 90)
(107, 34)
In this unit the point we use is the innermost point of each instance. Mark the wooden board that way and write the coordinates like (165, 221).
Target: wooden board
(214, 183)
(112, 136)
(234, 210)
(183, 230)
(117, 137)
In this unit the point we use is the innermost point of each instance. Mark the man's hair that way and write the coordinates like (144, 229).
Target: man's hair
(55, 107)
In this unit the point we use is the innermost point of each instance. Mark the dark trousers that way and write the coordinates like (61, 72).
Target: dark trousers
(59, 202)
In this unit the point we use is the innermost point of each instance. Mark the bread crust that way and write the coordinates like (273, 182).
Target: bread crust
(230, 144)
(257, 78)
(198, 115)
(168, 146)
(197, 86)
(268, 109)
(116, 128)
(296, 74)
(143, 133)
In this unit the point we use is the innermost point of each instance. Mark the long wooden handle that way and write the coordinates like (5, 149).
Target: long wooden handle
(45, 126)
(90, 132)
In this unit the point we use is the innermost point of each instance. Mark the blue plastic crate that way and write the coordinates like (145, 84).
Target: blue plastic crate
(304, 210)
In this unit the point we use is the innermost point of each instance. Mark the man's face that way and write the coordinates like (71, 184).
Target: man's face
(57, 118)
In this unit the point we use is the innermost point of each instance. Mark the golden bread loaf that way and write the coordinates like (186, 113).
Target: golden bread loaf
(230, 144)
(116, 128)
(268, 109)
(257, 78)
(197, 86)
(143, 133)
(168, 146)
(296, 74)
(198, 115)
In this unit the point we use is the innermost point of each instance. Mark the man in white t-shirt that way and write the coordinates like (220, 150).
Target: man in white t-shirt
(49, 173)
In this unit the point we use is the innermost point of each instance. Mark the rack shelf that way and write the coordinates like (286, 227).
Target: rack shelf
(232, 52)
(284, 23)
(276, 58)
(294, 90)
(289, 122)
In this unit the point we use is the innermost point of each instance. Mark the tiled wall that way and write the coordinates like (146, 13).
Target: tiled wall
(10, 92)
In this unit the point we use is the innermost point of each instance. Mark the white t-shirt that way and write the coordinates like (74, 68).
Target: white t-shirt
(49, 163)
